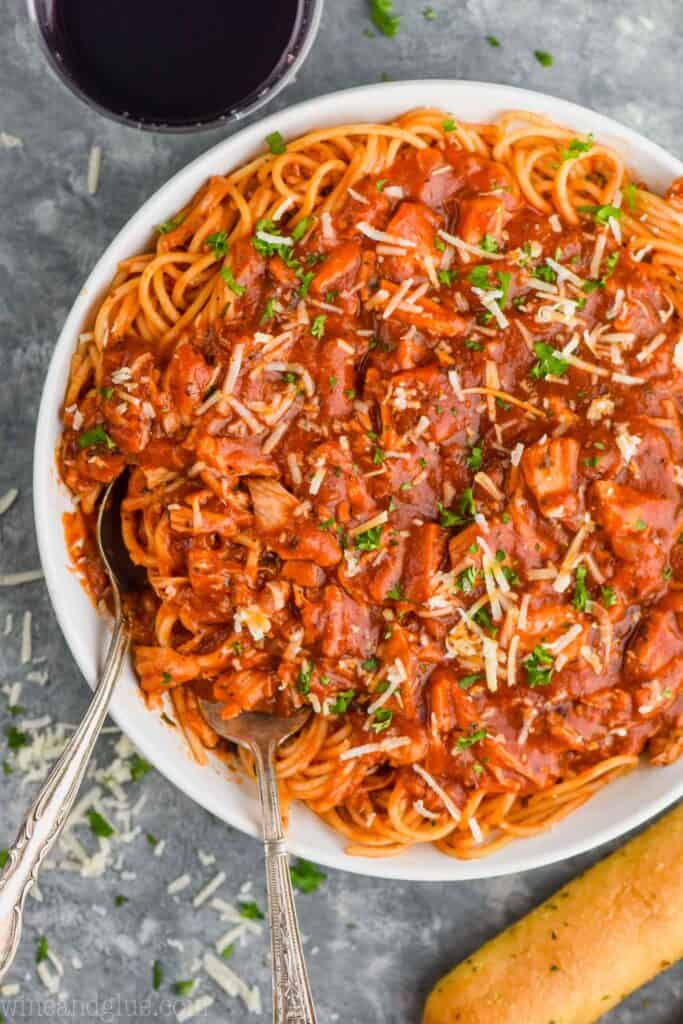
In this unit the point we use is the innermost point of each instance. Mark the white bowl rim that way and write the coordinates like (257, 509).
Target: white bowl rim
(379, 102)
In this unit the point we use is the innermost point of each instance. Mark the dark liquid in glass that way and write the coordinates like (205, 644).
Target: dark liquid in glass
(168, 62)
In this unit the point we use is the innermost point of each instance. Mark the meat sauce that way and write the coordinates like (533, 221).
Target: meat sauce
(473, 504)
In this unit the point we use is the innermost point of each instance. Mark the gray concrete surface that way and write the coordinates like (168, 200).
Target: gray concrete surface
(375, 947)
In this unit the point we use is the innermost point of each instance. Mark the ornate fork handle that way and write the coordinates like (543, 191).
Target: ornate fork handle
(292, 999)
(46, 818)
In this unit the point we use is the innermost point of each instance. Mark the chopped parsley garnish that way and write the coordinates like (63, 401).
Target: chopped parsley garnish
(301, 228)
(218, 242)
(227, 951)
(42, 950)
(170, 225)
(395, 593)
(439, 244)
(120, 901)
(601, 214)
(476, 457)
(640, 524)
(229, 278)
(276, 144)
(381, 720)
(370, 539)
(152, 840)
(332, 382)
(581, 600)
(483, 619)
(306, 877)
(493, 41)
(99, 825)
(467, 579)
(548, 362)
(270, 248)
(545, 273)
(544, 58)
(268, 311)
(478, 277)
(466, 511)
(157, 975)
(303, 680)
(475, 346)
(166, 679)
(370, 664)
(504, 278)
(183, 988)
(106, 393)
(429, 14)
(449, 125)
(446, 277)
(576, 147)
(306, 279)
(250, 910)
(488, 243)
(4, 857)
(15, 738)
(7, 768)
(138, 767)
(466, 681)
(384, 18)
(16, 709)
(539, 666)
(377, 456)
(341, 704)
(630, 196)
(98, 435)
(468, 741)
(609, 596)
(318, 326)
(668, 572)
(380, 184)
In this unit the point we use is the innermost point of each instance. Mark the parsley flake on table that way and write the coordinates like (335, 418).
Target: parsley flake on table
(493, 41)
(544, 58)
(384, 17)
(306, 877)
(42, 950)
(157, 975)
(138, 767)
(250, 910)
(99, 825)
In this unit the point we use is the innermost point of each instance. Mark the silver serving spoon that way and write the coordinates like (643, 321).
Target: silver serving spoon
(262, 734)
(46, 818)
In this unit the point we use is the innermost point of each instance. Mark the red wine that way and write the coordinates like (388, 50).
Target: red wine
(169, 62)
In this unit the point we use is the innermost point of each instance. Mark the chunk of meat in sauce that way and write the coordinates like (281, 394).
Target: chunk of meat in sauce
(414, 223)
(551, 473)
(339, 625)
(338, 271)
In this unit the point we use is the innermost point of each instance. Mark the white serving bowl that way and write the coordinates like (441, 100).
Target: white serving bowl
(620, 806)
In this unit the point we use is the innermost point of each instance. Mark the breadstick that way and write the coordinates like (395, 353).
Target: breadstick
(582, 951)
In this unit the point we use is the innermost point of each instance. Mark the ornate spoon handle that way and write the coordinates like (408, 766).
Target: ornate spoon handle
(292, 999)
(46, 818)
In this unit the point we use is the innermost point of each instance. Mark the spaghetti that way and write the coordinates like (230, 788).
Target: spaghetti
(401, 403)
